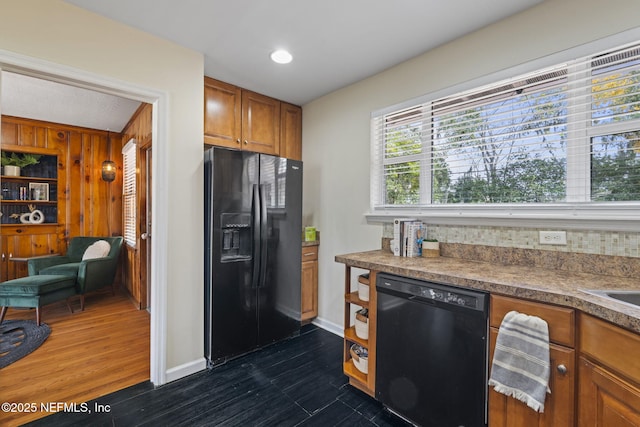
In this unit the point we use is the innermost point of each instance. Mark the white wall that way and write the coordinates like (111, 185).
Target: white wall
(51, 31)
(336, 126)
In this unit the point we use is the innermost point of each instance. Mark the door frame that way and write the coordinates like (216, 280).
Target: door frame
(10, 61)
(145, 201)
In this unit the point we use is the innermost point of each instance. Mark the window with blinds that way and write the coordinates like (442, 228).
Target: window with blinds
(129, 193)
(565, 134)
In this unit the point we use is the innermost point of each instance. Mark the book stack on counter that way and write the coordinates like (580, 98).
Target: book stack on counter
(407, 237)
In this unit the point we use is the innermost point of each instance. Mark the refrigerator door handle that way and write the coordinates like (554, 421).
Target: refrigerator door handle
(263, 236)
(256, 220)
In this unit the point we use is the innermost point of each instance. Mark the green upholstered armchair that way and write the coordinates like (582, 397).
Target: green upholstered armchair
(91, 274)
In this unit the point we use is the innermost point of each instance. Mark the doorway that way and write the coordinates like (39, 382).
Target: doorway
(74, 79)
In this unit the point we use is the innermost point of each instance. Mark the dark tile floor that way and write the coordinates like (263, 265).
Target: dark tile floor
(298, 382)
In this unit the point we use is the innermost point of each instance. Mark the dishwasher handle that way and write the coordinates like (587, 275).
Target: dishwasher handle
(421, 300)
(409, 297)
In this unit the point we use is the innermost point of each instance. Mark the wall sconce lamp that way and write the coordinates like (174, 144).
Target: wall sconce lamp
(108, 170)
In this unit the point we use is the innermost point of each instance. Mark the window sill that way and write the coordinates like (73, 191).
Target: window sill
(613, 217)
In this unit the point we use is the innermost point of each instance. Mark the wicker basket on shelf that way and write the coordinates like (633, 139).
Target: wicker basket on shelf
(360, 357)
(362, 323)
(363, 287)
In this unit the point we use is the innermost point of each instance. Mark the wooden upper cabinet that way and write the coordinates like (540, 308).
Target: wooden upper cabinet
(290, 131)
(260, 123)
(245, 120)
(222, 113)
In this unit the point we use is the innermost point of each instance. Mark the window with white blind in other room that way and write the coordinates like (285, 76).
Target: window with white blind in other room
(130, 217)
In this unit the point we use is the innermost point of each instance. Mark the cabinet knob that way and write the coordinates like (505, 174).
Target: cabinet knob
(238, 140)
(246, 142)
(562, 369)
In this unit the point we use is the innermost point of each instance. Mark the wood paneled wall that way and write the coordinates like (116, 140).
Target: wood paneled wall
(86, 204)
(135, 266)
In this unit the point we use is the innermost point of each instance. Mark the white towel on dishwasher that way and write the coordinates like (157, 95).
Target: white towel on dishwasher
(521, 365)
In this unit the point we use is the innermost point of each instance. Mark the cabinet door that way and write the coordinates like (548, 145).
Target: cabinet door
(309, 304)
(222, 114)
(309, 290)
(605, 399)
(559, 405)
(290, 131)
(260, 123)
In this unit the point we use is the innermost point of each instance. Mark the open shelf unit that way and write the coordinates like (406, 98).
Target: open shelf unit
(36, 188)
(358, 379)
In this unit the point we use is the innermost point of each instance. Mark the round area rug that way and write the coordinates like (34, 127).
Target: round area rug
(19, 338)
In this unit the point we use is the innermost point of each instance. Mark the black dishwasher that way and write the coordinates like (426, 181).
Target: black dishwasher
(431, 352)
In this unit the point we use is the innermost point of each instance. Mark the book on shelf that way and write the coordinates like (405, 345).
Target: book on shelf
(406, 235)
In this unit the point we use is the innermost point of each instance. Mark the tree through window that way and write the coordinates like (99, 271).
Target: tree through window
(528, 140)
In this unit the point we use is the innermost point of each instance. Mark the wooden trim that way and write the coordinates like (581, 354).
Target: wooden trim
(373, 321)
(56, 126)
(30, 149)
(135, 115)
(354, 298)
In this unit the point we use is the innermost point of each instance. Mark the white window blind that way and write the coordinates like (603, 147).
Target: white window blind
(129, 193)
(565, 134)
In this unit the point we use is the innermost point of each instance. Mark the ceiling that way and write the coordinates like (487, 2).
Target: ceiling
(334, 43)
(33, 98)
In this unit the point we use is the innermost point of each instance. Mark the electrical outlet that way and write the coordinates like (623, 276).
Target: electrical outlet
(553, 237)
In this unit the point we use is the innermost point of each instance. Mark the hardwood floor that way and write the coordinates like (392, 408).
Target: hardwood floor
(88, 354)
(296, 382)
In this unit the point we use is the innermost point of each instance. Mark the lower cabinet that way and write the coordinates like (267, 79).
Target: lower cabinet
(594, 383)
(309, 286)
(19, 242)
(595, 365)
(609, 385)
(559, 409)
(606, 399)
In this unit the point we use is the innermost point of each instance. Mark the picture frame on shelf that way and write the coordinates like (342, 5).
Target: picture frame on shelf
(39, 191)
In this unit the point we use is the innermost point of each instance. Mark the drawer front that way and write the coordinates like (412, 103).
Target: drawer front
(309, 253)
(561, 320)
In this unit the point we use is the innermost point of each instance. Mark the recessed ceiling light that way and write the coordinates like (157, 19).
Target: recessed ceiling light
(281, 56)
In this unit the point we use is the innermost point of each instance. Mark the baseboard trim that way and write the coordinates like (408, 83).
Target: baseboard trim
(196, 366)
(186, 369)
(329, 326)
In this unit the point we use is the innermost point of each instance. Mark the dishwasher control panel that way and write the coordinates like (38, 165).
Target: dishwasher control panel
(439, 292)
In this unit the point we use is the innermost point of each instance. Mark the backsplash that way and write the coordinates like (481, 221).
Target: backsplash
(625, 244)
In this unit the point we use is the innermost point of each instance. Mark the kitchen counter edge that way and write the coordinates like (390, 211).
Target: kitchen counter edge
(543, 285)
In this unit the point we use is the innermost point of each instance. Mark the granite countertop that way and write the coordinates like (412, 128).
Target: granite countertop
(535, 283)
(310, 243)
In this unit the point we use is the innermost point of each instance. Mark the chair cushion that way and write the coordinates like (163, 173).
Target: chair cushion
(99, 249)
(69, 269)
(36, 285)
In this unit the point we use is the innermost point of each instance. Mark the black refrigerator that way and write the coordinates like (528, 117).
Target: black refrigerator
(253, 245)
